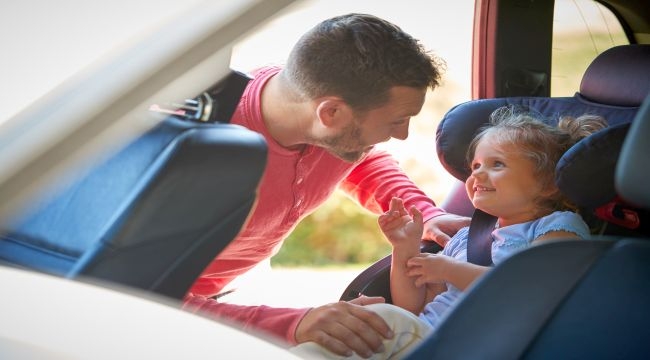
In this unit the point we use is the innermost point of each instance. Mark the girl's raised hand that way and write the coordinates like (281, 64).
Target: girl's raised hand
(398, 225)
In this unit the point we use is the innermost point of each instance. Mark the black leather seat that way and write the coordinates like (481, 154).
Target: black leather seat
(153, 214)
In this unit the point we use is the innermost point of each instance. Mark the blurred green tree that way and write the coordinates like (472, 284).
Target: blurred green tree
(338, 233)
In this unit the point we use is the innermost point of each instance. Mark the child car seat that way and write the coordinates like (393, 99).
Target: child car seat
(572, 299)
(613, 86)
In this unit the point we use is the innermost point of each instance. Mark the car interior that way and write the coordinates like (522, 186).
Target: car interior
(133, 229)
(122, 219)
(566, 299)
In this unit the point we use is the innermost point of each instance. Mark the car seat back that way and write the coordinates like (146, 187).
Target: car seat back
(153, 214)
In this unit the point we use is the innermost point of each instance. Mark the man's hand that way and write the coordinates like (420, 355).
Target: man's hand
(442, 227)
(345, 327)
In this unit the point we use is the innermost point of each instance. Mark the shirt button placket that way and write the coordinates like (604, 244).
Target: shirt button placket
(298, 188)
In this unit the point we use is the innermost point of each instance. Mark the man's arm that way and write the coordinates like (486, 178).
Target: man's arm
(341, 327)
(345, 327)
(279, 323)
(378, 178)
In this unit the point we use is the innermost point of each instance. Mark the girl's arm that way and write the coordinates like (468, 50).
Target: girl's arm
(403, 290)
(462, 274)
(404, 232)
(434, 268)
(555, 235)
(431, 268)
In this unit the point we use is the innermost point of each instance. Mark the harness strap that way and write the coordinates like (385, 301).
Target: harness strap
(479, 242)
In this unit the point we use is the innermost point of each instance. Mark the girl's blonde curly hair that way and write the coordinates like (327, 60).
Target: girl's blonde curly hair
(542, 142)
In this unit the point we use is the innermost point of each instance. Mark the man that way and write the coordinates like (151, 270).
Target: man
(349, 83)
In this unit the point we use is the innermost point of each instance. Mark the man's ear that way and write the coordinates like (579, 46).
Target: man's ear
(333, 112)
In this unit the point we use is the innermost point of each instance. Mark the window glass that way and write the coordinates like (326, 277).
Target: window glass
(582, 29)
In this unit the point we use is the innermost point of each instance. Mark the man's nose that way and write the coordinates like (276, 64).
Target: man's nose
(402, 132)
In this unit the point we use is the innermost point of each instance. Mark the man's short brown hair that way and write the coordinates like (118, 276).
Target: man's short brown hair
(360, 57)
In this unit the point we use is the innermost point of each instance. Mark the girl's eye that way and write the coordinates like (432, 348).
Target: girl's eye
(498, 163)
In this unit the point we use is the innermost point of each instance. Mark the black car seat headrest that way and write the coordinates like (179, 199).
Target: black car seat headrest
(633, 169)
(584, 173)
(618, 76)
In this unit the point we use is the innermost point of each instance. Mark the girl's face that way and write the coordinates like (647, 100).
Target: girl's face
(503, 183)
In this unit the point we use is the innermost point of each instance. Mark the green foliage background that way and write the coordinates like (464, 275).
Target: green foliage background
(340, 232)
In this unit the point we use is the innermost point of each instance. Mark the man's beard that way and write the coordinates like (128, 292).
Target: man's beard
(340, 145)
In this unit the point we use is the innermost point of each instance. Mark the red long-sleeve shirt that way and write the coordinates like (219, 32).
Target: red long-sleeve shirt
(293, 185)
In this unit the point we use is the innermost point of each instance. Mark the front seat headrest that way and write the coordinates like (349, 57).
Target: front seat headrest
(619, 76)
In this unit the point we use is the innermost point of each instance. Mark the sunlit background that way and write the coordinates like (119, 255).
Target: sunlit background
(335, 243)
(65, 36)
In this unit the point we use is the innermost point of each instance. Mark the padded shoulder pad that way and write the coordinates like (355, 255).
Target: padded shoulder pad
(585, 173)
(456, 131)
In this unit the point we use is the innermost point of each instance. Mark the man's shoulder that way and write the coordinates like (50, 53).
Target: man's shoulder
(265, 71)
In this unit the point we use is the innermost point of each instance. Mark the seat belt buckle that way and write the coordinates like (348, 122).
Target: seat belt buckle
(618, 214)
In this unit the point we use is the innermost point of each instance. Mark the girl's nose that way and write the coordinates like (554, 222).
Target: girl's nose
(477, 171)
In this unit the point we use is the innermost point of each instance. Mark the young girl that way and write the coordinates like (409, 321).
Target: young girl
(512, 164)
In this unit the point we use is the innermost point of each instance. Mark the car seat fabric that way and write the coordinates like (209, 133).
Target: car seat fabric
(577, 169)
(594, 323)
(619, 76)
(581, 299)
(151, 215)
(57, 231)
(633, 170)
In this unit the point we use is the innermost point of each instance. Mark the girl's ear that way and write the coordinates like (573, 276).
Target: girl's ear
(550, 197)
(333, 112)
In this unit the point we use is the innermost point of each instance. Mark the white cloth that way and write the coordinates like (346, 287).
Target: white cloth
(408, 329)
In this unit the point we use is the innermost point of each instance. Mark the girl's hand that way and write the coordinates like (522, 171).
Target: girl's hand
(429, 268)
(399, 226)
